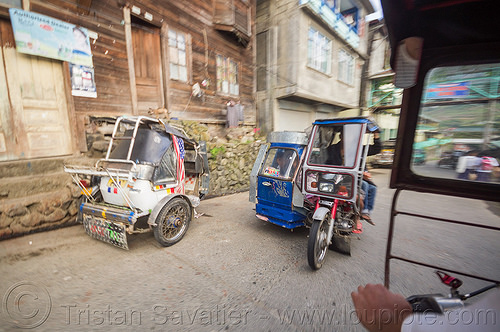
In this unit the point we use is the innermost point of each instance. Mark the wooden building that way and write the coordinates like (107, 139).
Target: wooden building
(188, 57)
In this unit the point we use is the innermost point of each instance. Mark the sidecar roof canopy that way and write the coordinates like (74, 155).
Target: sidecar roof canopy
(415, 26)
(442, 23)
(290, 137)
(151, 122)
(372, 125)
(152, 140)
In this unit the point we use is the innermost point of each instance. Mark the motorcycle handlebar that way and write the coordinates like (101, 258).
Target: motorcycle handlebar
(438, 303)
(435, 303)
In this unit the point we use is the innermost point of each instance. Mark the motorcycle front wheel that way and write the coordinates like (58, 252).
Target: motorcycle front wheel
(317, 244)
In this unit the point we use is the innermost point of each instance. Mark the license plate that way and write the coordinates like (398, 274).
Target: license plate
(104, 230)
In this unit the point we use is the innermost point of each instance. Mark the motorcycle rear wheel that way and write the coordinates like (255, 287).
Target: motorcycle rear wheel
(317, 245)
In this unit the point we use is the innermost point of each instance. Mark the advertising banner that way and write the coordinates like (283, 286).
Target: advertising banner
(452, 90)
(45, 36)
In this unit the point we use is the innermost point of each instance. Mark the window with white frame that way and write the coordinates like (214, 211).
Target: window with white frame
(319, 51)
(227, 76)
(346, 67)
(177, 55)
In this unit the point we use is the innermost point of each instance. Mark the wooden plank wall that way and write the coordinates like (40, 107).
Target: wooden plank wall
(109, 53)
(110, 58)
(242, 15)
(224, 11)
(193, 17)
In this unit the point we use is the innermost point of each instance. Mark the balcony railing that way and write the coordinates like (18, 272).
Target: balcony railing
(334, 20)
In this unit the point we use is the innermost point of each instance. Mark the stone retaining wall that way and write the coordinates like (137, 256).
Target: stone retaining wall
(231, 152)
(230, 166)
(39, 212)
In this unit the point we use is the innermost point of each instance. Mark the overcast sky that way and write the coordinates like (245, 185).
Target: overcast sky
(378, 11)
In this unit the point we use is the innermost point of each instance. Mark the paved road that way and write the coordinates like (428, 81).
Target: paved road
(231, 271)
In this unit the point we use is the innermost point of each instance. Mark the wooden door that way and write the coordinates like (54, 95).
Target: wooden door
(8, 149)
(147, 66)
(34, 112)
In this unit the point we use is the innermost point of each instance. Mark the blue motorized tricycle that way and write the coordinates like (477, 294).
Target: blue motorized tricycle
(314, 180)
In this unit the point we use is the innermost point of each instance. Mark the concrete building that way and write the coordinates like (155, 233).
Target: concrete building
(383, 98)
(309, 59)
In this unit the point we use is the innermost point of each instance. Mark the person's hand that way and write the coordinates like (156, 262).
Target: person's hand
(367, 176)
(378, 309)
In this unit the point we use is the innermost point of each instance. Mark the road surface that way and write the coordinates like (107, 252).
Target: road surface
(233, 271)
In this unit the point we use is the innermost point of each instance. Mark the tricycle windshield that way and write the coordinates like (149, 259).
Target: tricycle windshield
(335, 145)
(280, 163)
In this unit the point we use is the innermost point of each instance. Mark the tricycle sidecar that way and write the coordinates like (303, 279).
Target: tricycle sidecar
(452, 79)
(274, 180)
(150, 170)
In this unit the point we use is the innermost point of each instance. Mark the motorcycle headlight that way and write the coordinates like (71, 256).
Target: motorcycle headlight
(326, 187)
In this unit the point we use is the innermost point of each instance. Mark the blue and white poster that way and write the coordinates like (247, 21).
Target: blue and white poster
(450, 90)
(82, 81)
(45, 36)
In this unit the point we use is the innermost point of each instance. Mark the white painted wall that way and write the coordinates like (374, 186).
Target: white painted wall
(325, 87)
(292, 120)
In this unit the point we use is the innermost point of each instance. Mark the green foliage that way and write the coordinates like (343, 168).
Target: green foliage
(193, 129)
(214, 152)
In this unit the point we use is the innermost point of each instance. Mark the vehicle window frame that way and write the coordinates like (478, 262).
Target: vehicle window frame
(402, 176)
(289, 175)
(166, 171)
(354, 153)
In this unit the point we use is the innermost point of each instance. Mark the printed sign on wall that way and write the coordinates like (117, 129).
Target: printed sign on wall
(45, 36)
(82, 81)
